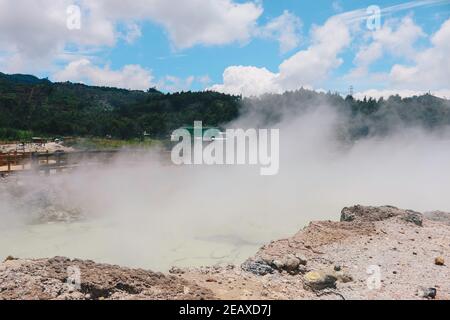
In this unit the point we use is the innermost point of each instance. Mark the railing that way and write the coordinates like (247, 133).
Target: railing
(14, 161)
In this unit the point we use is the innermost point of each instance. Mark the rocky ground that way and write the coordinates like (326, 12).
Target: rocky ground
(56, 279)
(372, 253)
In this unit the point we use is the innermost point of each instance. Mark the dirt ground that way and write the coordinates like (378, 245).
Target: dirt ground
(373, 253)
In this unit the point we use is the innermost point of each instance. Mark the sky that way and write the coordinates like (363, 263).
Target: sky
(233, 46)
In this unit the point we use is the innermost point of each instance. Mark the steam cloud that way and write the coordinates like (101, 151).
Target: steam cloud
(151, 214)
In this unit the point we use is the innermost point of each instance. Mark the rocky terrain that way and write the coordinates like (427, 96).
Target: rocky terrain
(372, 253)
(56, 278)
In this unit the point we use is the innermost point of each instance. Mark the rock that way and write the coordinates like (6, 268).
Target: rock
(278, 264)
(438, 216)
(46, 279)
(176, 270)
(364, 213)
(258, 267)
(428, 293)
(291, 264)
(9, 258)
(344, 277)
(439, 261)
(302, 259)
(372, 214)
(413, 217)
(337, 268)
(318, 280)
(302, 269)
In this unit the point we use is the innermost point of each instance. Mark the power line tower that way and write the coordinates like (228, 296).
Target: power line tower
(351, 91)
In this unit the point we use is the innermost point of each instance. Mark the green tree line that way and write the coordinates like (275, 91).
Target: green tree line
(38, 106)
(31, 106)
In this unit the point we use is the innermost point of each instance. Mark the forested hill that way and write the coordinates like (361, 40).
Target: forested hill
(29, 105)
(32, 106)
(358, 118)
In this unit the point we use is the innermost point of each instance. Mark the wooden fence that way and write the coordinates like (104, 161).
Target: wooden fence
(14, 161)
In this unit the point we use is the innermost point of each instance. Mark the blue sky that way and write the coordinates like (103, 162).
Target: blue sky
(262, 46)
(155, 51)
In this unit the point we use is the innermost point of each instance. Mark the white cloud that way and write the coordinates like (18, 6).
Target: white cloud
(35, 33)
(132, 77)
(133, 32)
(129, 77)
(431, 70)
(311, 66)
(395, 38)
(248, 81)
(306, 68)
(285, 29)
(188, 23)
(427, 70)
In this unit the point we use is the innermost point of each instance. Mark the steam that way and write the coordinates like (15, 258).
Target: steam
(144, 212)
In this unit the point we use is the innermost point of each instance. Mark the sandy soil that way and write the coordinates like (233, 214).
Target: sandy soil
(373, 253)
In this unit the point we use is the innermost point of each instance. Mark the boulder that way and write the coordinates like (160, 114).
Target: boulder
(372, 214)
(319, 280)
(293, 264)
(258, 267)
(413, 217)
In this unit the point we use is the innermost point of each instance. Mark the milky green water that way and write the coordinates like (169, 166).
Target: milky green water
(102, 241)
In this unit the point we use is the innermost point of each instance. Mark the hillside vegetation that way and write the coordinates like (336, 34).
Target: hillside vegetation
(31, 106)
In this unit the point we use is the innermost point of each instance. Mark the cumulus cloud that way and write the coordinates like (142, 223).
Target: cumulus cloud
(132, 32)
(248, 81)
(133, 77)
(431, 68)
(84, 71)
(427, 69)
(285, 29)
(35, 33)
(310, 66)
(188, 23)
(306, 68)
(34, 38)
(394, 38)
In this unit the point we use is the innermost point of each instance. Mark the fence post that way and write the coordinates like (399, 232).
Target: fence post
(34, 161)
